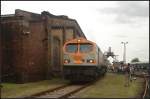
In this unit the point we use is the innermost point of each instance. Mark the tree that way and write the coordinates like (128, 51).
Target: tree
(135, 60)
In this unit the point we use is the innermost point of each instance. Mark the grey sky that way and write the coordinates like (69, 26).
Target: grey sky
(127, 11)
(108, 23)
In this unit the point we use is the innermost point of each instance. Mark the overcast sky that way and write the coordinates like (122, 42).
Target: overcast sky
(107, 23)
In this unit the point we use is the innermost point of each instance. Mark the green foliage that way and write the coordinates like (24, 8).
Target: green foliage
(112, 86)
(135, 60)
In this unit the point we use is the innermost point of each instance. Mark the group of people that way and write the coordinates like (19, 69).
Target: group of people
(127, 70)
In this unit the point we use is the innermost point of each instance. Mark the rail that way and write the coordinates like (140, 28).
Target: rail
(146, 87)
(75, 91)
(63, 91)
(146, 80)
(43, 92)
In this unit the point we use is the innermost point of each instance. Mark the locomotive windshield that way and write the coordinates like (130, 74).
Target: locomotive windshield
(85, 47)
(72, 48)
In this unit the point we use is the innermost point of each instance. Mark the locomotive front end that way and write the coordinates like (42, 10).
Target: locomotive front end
(80, 60)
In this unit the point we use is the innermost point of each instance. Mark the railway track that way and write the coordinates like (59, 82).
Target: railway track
(63, 91)
(146, 88)
(43, 92)
(146, 83)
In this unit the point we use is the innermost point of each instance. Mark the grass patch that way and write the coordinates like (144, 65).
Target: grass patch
(112, 86)
(12, 90)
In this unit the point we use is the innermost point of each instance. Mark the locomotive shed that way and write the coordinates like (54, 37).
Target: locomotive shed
(30, 45)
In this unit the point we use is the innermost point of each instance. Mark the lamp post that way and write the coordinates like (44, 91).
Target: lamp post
(124, 53)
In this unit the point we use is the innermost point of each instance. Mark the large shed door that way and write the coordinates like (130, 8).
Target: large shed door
(56, 55)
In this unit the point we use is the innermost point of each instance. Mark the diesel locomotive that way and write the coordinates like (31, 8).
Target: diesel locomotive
(83, 60)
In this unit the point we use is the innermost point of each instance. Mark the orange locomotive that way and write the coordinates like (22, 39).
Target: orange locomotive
(83, 60)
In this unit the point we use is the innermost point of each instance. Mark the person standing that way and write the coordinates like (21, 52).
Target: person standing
(127, 75)
(130, 72)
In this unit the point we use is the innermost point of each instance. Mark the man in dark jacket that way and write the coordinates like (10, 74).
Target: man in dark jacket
(127, 75)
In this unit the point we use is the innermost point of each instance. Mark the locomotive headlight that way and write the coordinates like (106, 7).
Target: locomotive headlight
(90, 60)
(66, 61)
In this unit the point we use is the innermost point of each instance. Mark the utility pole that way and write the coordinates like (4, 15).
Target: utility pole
(124, 53)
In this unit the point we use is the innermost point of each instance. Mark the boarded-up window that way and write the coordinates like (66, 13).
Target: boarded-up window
(25, 27)
(56, 46)
(69, 34)
(56, 55)
(57, 33)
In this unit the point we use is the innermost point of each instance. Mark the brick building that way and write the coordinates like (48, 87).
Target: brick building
(31, 44)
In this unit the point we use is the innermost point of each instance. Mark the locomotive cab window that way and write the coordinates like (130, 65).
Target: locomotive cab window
(86, 47)
(71, 48)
